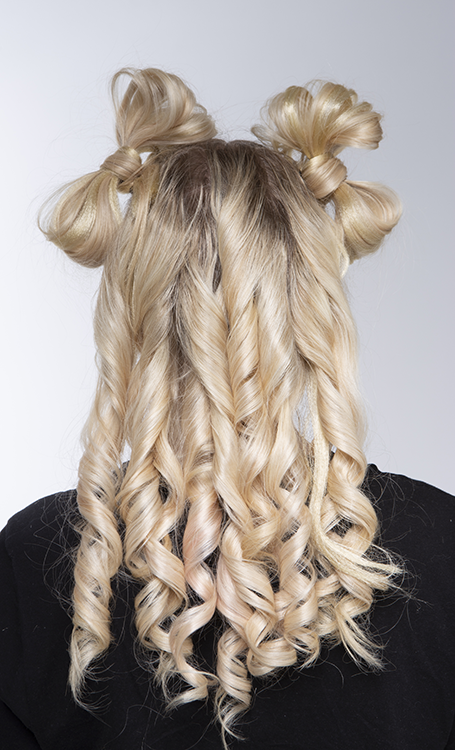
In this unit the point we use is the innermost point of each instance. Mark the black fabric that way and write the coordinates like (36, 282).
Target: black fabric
(410, 705)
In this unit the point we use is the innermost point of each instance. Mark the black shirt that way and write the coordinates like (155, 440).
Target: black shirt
(410, 705)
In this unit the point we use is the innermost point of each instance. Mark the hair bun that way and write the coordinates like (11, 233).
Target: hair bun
(319, 121)
(157, 109)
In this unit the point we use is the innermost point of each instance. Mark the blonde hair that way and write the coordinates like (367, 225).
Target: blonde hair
(222, 310)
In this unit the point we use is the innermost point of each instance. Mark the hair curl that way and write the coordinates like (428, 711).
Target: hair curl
(221, 310)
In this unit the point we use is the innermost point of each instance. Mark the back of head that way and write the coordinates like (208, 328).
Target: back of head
(222, 311)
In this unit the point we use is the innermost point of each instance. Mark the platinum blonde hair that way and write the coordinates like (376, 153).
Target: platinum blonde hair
(221, 310)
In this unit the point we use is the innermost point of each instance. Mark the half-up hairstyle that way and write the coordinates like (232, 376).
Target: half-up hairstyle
(221, 312)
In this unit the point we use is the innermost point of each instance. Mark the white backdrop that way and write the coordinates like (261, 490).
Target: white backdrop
(56, 61)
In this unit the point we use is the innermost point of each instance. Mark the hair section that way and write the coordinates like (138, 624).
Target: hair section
(221, 311)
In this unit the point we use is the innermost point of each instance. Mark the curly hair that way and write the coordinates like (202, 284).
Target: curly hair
(227, 366)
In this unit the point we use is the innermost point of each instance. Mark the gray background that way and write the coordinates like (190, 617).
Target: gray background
(56, 61)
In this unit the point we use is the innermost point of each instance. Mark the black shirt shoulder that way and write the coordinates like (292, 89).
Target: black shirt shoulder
(52, 519)
(416, 520)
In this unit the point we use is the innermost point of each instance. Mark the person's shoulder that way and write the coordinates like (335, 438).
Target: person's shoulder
(47, 523)
(415, 517)
(393, 493)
